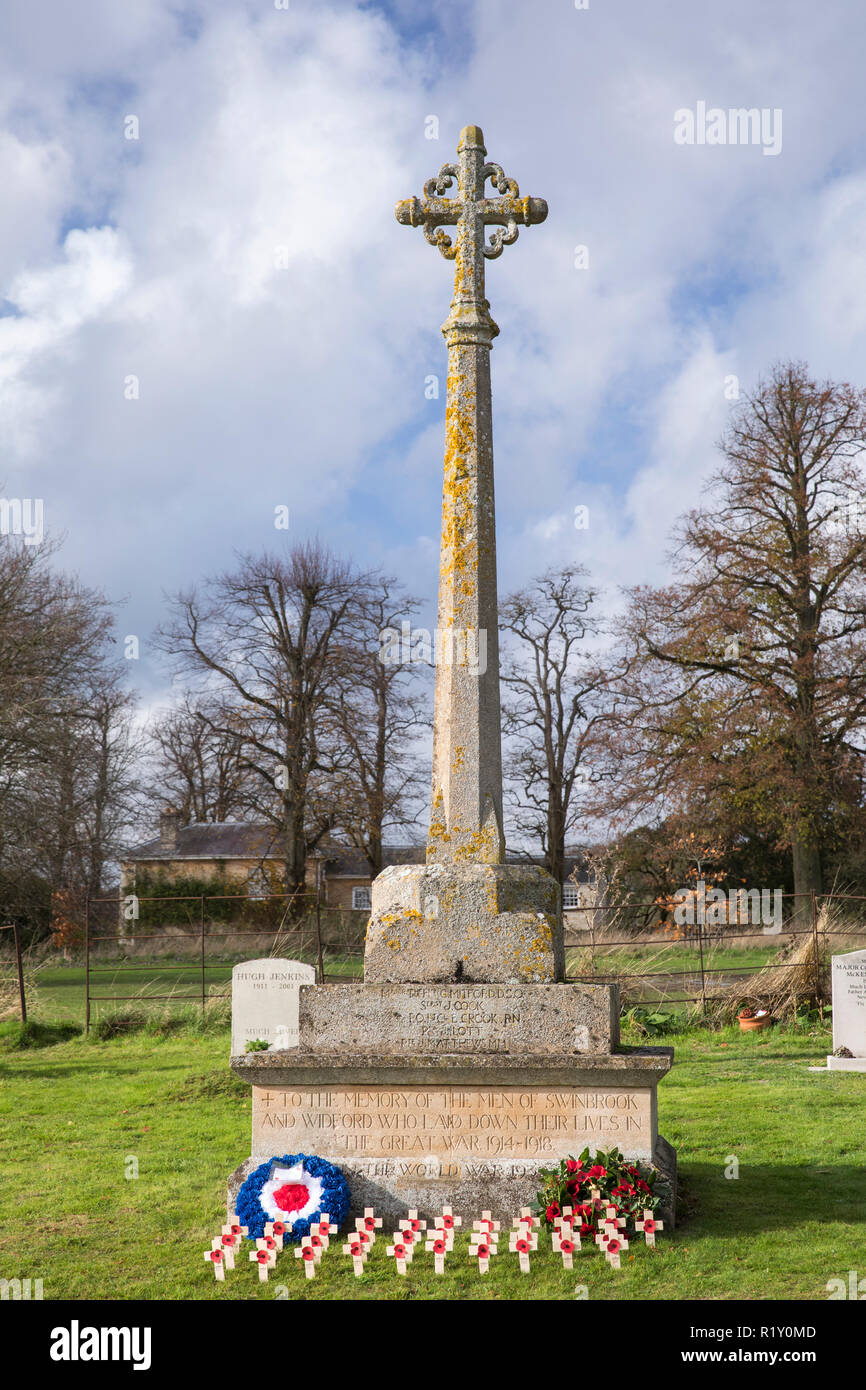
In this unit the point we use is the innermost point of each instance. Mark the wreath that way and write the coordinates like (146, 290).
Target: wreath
(296, 1189)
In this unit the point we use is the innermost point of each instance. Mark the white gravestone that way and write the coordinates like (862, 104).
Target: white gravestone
(265, 1002)
(849, 1011)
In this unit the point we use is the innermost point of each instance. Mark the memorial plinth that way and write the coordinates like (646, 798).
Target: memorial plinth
(455, 1094)
(462, 1065)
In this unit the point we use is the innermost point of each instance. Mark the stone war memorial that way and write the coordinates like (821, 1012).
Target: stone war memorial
(463, 1064)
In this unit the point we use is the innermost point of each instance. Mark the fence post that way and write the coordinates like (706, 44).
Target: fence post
(20, 972)
(201, 933)
(87, 964)
(816, 962)
(319, 927)
(703, 976)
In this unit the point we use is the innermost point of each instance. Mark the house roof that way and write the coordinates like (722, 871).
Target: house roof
(245, 840)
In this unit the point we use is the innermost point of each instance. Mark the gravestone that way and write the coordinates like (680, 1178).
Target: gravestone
(849, 1011)
(265, 1002)
(464, 1063)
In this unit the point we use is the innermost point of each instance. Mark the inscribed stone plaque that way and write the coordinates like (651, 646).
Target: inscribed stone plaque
(452, 1125)
(443, 1018)
(265, 1001)
(849, 1002)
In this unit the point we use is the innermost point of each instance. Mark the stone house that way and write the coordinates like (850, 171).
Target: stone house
(247, 854)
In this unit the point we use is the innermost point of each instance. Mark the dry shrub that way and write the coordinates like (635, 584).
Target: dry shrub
(800, 974)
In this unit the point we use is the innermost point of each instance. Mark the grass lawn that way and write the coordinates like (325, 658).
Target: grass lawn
(75, 1112)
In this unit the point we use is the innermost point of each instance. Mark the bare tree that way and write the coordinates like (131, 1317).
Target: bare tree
(267, 636)
(750, 670)
(198, 756)
(380, 710)
(553, 706)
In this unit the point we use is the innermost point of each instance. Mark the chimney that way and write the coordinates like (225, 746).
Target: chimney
(169, 824)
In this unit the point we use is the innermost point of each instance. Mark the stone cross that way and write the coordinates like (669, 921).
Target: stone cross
(466, 814)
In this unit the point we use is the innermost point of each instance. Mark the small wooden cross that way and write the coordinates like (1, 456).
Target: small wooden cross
(485, 1224)
(408, 1239)
(526, 1219)
(412, 1222)
(567, 1248)
(234, 1229)
(440, 1233)
(277, 1230)
(263, 1259)
(400, 1254)
(612, 1217)
(227, 1245)
(484, 1250)
(306, 1251)
(316, 1243)
(521, 1242)
(326, 1227)
(269, 1244)
(438, 1243)
(369, 1222)
(448, 1221)
(357, 1248)
(649, 1226)
(614, 1245)
(217, 1261)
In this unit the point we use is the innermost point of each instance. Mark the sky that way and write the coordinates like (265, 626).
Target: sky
(208, 310)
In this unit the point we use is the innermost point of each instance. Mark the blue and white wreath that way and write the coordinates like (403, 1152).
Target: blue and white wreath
(296, 1189)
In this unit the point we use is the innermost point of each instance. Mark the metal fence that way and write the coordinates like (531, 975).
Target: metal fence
(206, 929)
(612, 948)
(635, 927)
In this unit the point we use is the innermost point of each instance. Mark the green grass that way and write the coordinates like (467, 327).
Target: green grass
(76, 1111)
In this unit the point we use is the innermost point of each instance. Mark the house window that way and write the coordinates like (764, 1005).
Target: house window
(570, 895)
(361, 899)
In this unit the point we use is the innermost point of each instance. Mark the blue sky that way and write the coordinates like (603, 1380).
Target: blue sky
(304, 385)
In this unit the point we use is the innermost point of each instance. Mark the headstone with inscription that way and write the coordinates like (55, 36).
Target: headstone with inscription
(849, 1012)
(464, 1063)
(265, 1002)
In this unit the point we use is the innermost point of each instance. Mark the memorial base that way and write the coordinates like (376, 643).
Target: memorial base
(471, 1131)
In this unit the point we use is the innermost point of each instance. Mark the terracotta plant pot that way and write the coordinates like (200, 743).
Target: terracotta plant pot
(750, 1025)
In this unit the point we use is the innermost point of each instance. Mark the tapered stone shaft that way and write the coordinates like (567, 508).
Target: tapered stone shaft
(467, 915)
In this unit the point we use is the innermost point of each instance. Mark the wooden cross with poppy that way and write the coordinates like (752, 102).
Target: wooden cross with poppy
(566, 1246)
(613, 1247)
(482, 1247)
(401, 1254)
(485, 1224)
(412, 1222)
(227, 1245)
(322, 1228)
(262, 1258)
(369, 1222)
(359, 1250)
(317, 1245)
(526, 1219)
(268, 1243)
(649, 1225)
(306, 1251)
(234, 1228)
(448, 1221)
(521, 1242)
(438, 1244)
(276, 1230)
(217, 1260)
(612, 1216)
(408, 1239)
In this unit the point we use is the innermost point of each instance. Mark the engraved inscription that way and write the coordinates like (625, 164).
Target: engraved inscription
(449, 1122)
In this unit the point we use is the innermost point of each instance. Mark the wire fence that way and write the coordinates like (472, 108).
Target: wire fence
(638, 945)
(204, 932)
